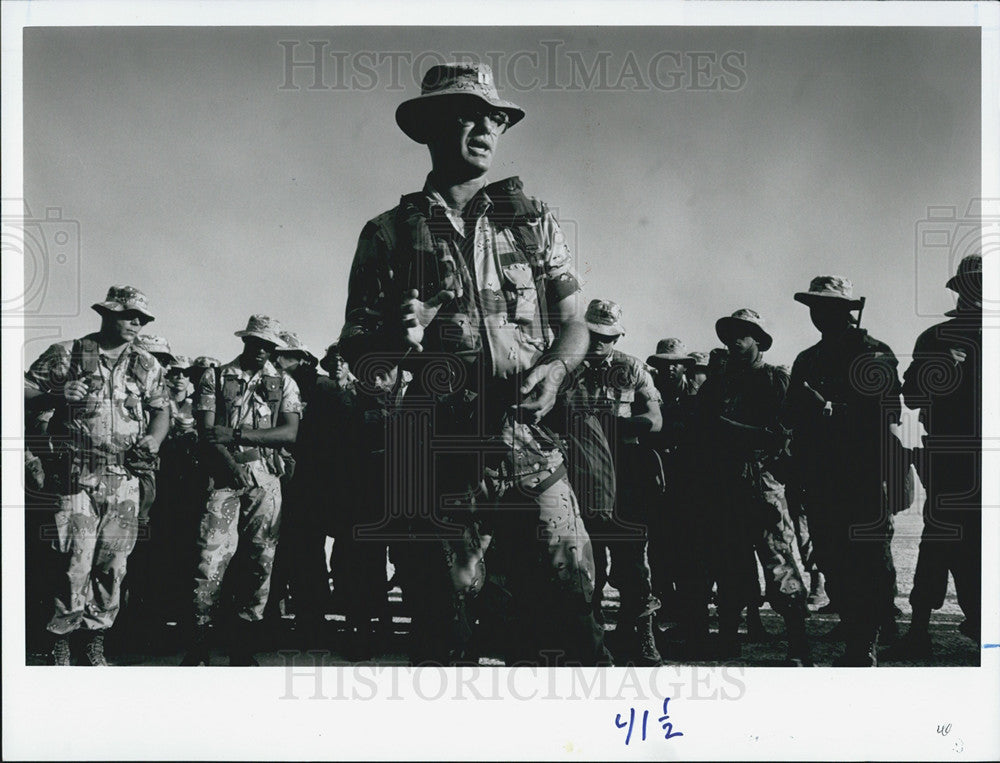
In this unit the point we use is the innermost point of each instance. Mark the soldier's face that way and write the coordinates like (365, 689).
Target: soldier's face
(675, 372)
(256, 352)
(832, 317)
(601, 345)
(742, 347)
(124, 326)
(467, 139)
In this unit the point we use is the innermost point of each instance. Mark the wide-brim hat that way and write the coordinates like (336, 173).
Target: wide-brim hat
(828, 290)
(969, 276)
(748, 320)
(181, 363)
(670, 350)
(263, 327)
(295, 346)
(446, 82)
(121, 299)
(604, 317)
(157, 346)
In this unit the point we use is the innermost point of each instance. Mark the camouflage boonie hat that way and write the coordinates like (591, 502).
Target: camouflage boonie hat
(294, 345)
(748, 320)
(204, 361)
(181, 363)
(123, 298)
(449, 81)
(700, 359)
(604, 317)
(828, 289)
(671, 350)
(156, 345)
(265, 328)
(969, 276)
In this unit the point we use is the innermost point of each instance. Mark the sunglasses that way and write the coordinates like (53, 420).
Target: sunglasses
(471, 115)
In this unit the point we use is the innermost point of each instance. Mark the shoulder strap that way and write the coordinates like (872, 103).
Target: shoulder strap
(84, 356)
(220, 400)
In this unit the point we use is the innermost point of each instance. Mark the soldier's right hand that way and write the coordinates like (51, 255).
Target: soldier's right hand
(957, 354)
(75, 391)
(417, 315)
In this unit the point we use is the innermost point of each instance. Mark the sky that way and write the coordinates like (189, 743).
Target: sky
(700, 170)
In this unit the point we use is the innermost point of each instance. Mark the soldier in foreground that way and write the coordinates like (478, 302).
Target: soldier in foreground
(101, 389)
(740, 415)
(478, 276)
(246, 411)
(844, 394)
(944, 381)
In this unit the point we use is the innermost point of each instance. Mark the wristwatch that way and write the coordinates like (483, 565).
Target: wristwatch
(237, 435)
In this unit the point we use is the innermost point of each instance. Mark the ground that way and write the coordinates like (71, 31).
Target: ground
(951, 648)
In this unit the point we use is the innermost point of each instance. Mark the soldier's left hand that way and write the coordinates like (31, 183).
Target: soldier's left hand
(540, 390)
(957, 354)
(149, 444)
(220, 435)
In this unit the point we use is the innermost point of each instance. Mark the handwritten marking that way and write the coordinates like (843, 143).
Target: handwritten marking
(991, 646)
(944, 730)
(630, 723)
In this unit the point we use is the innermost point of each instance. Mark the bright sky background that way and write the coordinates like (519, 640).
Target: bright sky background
(193, 176)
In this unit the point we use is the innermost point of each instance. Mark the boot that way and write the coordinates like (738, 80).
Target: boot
(198, 653)
(817, 590)
(798, 643)
(728, 646)
(859, 651)
(61, 652)
(95, 649)
(648, 656)
(243, 644)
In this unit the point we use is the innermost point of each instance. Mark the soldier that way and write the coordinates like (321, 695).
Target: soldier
(618, 389)
(671, 364)
(844, 394)
(944, 381)
(299, 576)
(246, 411)
(480, 277)
(100, 388)
(740, 418)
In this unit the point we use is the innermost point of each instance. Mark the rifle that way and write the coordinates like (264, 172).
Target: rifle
(861, 309)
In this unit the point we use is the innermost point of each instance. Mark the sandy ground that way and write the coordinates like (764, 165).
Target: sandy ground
(951, 648)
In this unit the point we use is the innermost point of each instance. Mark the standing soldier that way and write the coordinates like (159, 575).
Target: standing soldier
(101, 388)
(246, 411)
(740, 418)
(619, 390)
(944, 381)
(668, 542)
(480, 277)
(844, 394)
(300, 509)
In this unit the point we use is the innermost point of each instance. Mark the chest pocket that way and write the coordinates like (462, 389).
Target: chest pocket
(270, 391)
(232, 391)
(133, 399)
(519, 288)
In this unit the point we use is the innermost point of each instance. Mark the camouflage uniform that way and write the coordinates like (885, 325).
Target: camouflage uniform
(745, 502)
(96, 521)
(608, 388)
(476, 350)
(232, 515)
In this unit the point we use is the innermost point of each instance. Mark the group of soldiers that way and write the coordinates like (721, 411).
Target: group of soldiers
(489, 440)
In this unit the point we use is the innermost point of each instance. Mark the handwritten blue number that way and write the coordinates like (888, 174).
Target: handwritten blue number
(667, 725)
(621, 725)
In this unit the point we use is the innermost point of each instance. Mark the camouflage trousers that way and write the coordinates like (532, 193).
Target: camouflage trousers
(248, 521)
(95, 531)
(749, 521)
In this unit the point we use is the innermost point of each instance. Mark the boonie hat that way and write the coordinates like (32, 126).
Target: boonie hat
(124, 298)
(446, 81)
(745, 319)
(157, 345)
(969, 276)
(828, 290)
(604, 317)
(295, 345)
(263, 327)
